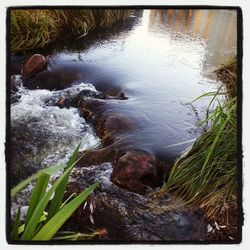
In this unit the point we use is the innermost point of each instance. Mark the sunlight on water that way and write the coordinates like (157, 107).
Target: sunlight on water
(162, 62)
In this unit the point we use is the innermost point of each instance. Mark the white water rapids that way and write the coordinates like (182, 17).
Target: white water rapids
(43, 135)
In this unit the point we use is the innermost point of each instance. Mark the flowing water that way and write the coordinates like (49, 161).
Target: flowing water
(43, 134)
(160, 59)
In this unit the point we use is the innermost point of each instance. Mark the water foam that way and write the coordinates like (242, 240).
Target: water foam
(54, 123)
(50, 134)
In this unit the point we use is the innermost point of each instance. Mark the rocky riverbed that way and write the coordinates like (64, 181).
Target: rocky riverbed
(125, 215)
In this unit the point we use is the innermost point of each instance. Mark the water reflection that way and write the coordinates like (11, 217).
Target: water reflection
(158, 58)
(208, 25)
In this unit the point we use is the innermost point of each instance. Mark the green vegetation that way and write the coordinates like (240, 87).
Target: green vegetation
(207, 175)
(34, 28)
(41, 225)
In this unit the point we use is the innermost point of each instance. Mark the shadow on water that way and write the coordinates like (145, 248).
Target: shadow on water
(160, 59)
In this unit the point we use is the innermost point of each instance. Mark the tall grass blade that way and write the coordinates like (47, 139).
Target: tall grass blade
(14, 232)
(206, 175)
(24, 183)
(37, 194)
(42, 219)
(58, 197)
(73, 158)
(180, 143)
(54, 169)
(34, 220)
(52, 226)
(216, 139)
(213, 93)
(37, 28)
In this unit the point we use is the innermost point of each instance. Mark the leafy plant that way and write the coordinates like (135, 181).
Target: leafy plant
(206, 175)
(39, 224)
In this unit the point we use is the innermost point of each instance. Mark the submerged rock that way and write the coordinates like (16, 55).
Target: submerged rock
(129, 216)
(135, 168)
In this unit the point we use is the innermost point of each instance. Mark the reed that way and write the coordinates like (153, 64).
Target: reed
(35, 28)
(207, 175)
(44, 220)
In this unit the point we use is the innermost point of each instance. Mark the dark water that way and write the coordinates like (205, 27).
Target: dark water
(161, 60)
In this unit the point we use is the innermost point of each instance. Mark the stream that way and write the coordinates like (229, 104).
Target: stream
(161, 60)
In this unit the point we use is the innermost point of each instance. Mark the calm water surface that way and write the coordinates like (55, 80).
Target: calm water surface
(161, 62)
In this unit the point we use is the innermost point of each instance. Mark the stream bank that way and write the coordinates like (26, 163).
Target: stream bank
(125, 216)
(37, 28)
(143, 59)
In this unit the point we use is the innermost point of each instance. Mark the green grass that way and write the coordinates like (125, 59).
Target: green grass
(42, 222)
(206, 176)
(33, 28)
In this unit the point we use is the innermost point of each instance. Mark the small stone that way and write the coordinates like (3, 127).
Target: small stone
(34, 65)
(91, 219)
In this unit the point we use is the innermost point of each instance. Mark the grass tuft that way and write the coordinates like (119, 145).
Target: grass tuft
(207, 175)
(34, 28)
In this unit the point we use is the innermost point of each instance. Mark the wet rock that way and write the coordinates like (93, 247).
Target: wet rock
(67, 100)
(122, 96)
(42, 135)
(35, 64)
(73, 100)
(110, 126)
(132, 217)
(135, 171)
(72, 96)
(134, 168)
(15, 83)
(57, 77)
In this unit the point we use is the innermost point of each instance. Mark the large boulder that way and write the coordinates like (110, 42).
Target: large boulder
(131, 217)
